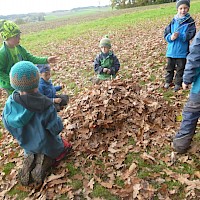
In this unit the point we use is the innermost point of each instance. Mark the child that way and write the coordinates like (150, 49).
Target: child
(178, 35)
(12, 52)
(48, 89)
(31, 118)
(106, 64)
(191, 111)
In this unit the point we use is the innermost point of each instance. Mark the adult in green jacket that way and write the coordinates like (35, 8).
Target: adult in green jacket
(12, 52)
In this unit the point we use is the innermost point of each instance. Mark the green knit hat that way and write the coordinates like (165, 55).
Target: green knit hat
(24, 76)
(105, 42)
(8, 29)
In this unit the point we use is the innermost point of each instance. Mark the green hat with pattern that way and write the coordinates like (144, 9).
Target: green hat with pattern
(105, 42)
(8, 29)
(24, 76)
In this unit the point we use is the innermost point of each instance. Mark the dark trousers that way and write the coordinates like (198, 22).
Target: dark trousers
(64, 102)
(178, 65)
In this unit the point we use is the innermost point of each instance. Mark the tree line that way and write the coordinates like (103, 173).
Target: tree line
(121, 4)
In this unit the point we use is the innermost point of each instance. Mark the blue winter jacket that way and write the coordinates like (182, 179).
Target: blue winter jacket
(179, 48)
(46, 88)
(33, 121)
(192, 69)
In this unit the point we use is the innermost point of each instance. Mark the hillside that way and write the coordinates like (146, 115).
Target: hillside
(122, 130)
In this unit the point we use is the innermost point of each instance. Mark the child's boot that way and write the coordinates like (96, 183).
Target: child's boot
(43, 164)
(24, 174)
(182, 144)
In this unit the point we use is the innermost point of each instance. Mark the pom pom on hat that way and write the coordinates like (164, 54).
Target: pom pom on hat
(43, 67)
(105, 42)
(8, 29)
(24, 76)
(180, 2)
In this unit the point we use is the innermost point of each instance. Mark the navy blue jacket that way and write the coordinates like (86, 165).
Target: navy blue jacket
(46, 88)
(179, 48)
(192, 69)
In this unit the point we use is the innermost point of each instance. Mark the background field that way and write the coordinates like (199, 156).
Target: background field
(118, 164)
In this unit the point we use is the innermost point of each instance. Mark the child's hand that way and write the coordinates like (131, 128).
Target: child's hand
(52, 59)
(105, 70)
(174, 35)
(108, 71)
(184, 86)
(57, 100)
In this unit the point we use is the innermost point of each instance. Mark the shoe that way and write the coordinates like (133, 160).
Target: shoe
(166, 86)
(24, 174)
(177, 88)
(43, 164)
(182, 144)
(67, 150)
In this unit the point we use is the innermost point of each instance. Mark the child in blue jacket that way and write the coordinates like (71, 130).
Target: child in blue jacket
(178, 35)
(191, 111)
(47, 88)
(32, 120)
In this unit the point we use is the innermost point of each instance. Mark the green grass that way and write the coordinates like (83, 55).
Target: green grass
(15, 191)
(100, 191)
(8, 167)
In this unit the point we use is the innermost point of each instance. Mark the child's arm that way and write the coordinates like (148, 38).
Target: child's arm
(167, 33)
(189, 33)
(116, 65)
(58, 87)
(193, 61)
(97, 68)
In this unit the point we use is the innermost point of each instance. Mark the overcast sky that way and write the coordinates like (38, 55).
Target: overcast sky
(9, 7)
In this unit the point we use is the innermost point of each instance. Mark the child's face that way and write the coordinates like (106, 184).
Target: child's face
(183, 10)
(105, 49)
(13, 41)
(46, 75)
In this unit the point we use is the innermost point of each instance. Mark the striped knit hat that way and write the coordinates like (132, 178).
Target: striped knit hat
(105, 42)
(24, 76)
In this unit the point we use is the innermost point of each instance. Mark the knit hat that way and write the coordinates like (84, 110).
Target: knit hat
(43, 67)
(105, 42)
(8, 29)
(24, 76)
(180, 2)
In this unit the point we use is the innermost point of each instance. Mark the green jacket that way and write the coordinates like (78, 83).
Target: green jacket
(6, 62)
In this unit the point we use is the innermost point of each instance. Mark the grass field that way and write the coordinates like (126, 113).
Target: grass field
(155, 171)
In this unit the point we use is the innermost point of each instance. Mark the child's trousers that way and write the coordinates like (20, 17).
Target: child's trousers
(178, 65)
(183, 137)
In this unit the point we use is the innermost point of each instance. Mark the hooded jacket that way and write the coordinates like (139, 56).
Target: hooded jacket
(109, 61)
(33, 121)
(6, 62)
(179, 48)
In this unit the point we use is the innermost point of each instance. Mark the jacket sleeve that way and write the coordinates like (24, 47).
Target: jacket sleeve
(167, 33)
(116, 65)
(29, 57)
(190, 32)
(193, 61)
(58, 88)
(53, 122)
(97, 67)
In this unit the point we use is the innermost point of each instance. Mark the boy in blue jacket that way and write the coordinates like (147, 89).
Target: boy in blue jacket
(178, 35)
(191, 111)
(47, 88)
(106, 64)
(32, 120)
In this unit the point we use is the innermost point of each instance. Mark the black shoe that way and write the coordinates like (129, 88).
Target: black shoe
(177, 88)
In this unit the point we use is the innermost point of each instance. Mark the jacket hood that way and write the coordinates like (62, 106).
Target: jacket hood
(19, 109)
